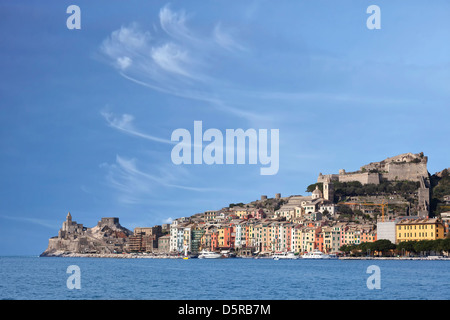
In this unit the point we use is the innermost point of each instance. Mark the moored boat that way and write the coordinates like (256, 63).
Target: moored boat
(209, 255)
(227, 254)
(284, 255)
(318, 255)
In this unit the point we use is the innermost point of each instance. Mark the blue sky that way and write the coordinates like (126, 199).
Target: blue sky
(86, 115)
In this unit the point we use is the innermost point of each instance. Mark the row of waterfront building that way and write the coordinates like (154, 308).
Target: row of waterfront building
(299, 224)
(268, 235)
(265, 236)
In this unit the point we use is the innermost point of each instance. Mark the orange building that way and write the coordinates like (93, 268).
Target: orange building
(318, 239)
(214, 241)
(368, 236)
(225, 237)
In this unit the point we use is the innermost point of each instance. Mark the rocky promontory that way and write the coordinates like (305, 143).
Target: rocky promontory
(107, 237)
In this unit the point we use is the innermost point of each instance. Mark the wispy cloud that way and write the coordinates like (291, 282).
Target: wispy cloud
(125, 44)
(177, 61)
(36, 221)
(174, 24)
(168, 220)
(137, 186)
(124, 123)
(171, 58)
(226, 40)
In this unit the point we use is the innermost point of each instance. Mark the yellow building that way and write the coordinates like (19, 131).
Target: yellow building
(297, 239)
(250, 236)
(221, 237)
(308, 239)
(240, 212)
(225, 234)
(187, 238)
(262, 237)
(419, 229)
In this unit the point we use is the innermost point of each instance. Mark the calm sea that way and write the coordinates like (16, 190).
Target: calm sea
(35, 278)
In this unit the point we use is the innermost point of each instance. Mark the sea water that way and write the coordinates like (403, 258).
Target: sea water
(36, 278)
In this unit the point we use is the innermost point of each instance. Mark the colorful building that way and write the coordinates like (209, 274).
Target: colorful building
(296, 238)
(225, 237)
(308, 239)
(419, 229)
(368, 236)
(214, 241)
(318, 239)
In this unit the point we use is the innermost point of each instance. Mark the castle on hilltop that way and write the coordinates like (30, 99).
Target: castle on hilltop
(404, 167)
(407, 166)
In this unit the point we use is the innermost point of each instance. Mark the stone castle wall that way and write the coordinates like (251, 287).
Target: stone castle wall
(58, 244)
(110, 222)
(404, 167)
(410, 167)
(327, 177)
(363, 178)
(406, 171)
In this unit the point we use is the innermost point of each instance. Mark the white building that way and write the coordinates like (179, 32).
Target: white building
(238, 236)
(176, 237)
(331, 208)
(289, 212)
(311, 206)
(386, 231)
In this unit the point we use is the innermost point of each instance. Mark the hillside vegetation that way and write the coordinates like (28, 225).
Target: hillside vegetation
(440, 187)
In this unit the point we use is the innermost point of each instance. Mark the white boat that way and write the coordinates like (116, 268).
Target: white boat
(209, 255)
(285, 255)
(436, 258)
(318, 255)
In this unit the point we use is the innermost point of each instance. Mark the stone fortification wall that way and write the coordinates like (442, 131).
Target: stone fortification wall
(327, 178)
(58, 244)
(407, 159)
(110, 222)
(406, 171)
(407, 166)
(363, 178)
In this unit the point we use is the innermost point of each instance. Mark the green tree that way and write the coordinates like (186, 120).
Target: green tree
(423, 246)
(366, 248)
(347, 249)
(312, 187)
(445, 245)
(346, 210)
(406, 246)
(383, 246)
